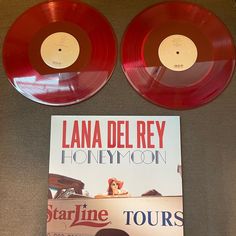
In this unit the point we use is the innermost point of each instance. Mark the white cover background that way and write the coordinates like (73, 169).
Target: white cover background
(138, 179)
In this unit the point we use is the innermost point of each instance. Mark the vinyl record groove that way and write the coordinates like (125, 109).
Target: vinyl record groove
(178, 55)
(60, 52)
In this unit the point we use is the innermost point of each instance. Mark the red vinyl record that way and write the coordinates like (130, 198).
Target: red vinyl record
(178, 55)
(60, 52)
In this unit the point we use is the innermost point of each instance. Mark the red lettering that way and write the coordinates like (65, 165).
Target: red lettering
(103, 215)
(86, 134)
(70, 213)
(160, 130)
(55, 214)
(64, 144)
(120, 134)
(127, 144)
(50, 213)
(150, 134)
(89, 218)
(83, 215)
(75, 140)
(141, 134)
(92, 215)
(97, 142)
(111, 136)
(77, 215)
(62, 215)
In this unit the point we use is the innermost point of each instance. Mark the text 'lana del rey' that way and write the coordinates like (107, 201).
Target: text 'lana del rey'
(115, 134)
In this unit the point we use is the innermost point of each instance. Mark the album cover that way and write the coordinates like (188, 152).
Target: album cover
(115, 175)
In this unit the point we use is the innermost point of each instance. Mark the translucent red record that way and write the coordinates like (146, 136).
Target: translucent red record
(60, 52)
(178, 55)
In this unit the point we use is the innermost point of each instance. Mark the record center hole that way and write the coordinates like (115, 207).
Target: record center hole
(177, 52)
(59, 49)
